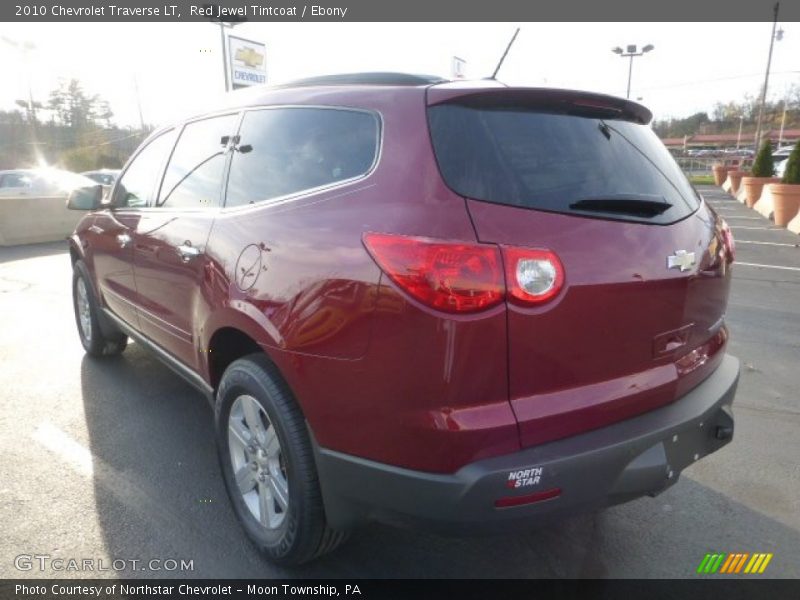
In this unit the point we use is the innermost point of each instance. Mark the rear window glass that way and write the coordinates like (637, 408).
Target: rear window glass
(284, 151)
(551, 161)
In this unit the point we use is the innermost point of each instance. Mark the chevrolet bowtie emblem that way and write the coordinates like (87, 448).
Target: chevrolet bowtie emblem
(682, 260)
(249, 57)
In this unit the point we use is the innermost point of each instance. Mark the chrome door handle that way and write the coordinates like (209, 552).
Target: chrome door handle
(124, 240)
(188, 252)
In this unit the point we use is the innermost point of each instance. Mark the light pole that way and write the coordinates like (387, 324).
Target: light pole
(783, 123)
(739, 137)
(631, 50)
(775, 36)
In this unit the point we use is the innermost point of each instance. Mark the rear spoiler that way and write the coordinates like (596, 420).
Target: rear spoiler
(549, 99)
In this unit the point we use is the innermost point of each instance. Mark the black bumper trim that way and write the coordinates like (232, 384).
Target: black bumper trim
(639, 456)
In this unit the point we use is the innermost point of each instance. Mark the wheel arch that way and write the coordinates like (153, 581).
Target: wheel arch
(231, 334)
(75, 250)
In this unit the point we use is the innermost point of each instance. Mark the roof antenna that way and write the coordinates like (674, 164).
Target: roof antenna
(502, 58)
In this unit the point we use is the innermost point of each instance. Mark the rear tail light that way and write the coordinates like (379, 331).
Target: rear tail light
(461, 277)
(533, 276)
(452, 277)
(727, 240)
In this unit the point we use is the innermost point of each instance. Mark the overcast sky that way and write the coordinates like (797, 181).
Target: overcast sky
(177, 65)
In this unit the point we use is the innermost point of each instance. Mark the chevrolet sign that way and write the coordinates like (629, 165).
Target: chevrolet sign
(246, 62)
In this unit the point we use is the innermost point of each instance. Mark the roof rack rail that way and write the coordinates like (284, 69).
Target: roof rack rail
(378, 78)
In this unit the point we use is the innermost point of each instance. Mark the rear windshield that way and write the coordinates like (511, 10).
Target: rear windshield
(558, 162)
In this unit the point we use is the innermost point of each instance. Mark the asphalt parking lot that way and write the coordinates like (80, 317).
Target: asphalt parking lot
(115, 459)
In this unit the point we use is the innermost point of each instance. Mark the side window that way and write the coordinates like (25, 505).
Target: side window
(193, 178)
(15, 180)
(138, 182)
(284, 151)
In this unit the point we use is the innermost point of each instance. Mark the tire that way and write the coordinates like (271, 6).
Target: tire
(87, 317)
(254, 403)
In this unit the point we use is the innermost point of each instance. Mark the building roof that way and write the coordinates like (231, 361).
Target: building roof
(748, 137)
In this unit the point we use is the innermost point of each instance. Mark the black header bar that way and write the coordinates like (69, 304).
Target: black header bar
(397, 10)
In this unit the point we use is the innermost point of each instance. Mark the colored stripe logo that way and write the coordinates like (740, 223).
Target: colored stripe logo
(734, 563)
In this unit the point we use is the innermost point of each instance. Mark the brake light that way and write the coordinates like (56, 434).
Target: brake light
(462, 277)
(452, 277)
(533, 276)
(727, 240)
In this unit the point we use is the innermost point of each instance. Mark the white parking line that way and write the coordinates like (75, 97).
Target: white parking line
(60, 444)
(768, 243)
(123, 487)
(744, 264)
(750, 218)
(758, 228)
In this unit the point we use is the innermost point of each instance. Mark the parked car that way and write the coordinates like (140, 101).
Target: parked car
(105, 177)
(780, 157)
(42, 182)
(470, 308)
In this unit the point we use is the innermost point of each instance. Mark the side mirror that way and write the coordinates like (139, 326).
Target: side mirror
(85, 198)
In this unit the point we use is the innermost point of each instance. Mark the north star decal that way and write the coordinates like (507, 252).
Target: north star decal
(524, 478)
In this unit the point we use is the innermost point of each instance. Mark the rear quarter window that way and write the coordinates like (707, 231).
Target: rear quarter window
(286, 151)
(550, 161)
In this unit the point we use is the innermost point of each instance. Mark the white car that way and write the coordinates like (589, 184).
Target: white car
(104, 177)
(40, 183)
(780, 157)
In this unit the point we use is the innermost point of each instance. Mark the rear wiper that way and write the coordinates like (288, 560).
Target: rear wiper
(637, 205)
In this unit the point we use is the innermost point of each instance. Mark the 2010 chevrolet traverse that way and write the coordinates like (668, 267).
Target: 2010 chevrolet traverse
(465, 306)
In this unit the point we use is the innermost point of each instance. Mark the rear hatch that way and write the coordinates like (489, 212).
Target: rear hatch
(639, 320)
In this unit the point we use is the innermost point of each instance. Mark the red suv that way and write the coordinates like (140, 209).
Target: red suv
(465, 306)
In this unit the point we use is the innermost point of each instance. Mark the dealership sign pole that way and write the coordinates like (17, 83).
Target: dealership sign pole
(210, 10)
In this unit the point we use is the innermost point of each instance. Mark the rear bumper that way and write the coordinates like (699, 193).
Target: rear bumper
(640, 456)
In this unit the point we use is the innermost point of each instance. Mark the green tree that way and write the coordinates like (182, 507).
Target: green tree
(792, 173)
(74, 107)
(763, 165)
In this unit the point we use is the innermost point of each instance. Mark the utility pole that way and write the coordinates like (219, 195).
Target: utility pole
(138, 102)
(26, 49)
(772, 38)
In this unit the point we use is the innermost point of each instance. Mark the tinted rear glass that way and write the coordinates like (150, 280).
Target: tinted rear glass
(550, 161)
(285, 151)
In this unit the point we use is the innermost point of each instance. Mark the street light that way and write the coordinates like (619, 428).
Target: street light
(631, 51)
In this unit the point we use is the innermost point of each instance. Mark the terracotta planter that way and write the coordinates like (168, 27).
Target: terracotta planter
(753, 186)
(735, 177)
(794, 225)
(786, 198)
(720, 173)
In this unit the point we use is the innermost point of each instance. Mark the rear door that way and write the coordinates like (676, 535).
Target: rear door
(110, 236)
(646, 277)
(171, 236)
